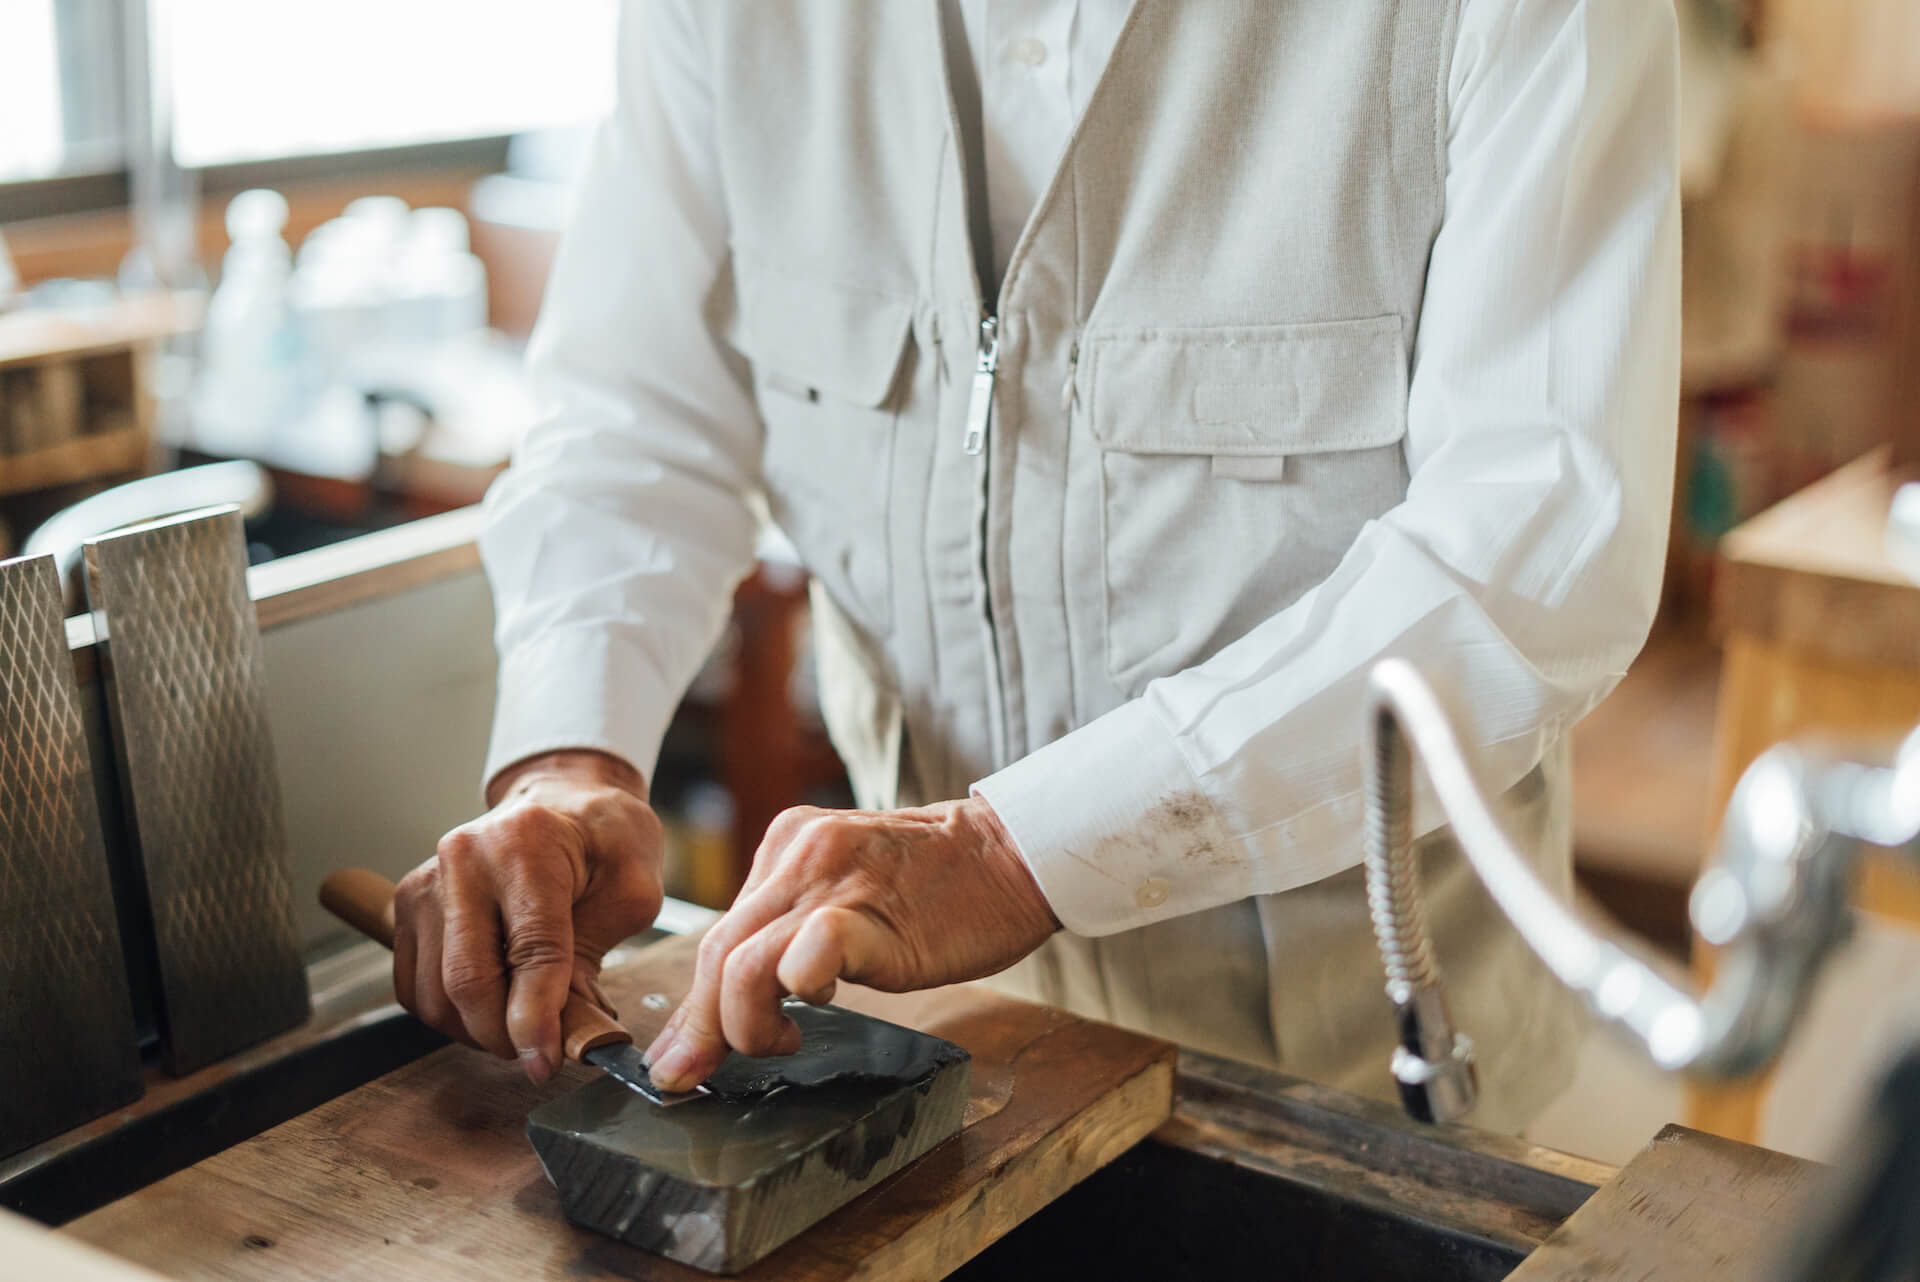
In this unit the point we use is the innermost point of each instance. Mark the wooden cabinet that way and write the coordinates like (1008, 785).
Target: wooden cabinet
(1822, 637)
(76, 407)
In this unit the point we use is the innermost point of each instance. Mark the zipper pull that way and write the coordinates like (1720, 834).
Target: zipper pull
(980, 402)
(1066, 388)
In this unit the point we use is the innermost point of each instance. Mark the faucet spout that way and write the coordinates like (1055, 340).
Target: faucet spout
(1774, 901)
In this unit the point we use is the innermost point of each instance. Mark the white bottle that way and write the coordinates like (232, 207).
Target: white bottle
(249, 377)
(443, 284)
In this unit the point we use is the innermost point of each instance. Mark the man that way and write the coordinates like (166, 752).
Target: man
(1131, 379)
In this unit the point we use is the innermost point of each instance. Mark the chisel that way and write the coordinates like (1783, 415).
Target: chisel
(364, 900)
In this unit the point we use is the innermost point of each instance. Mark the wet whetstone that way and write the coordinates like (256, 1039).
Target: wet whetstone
(719, 1182)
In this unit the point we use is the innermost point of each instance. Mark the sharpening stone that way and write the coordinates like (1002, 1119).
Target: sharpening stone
(68, 1052)
(719, 1182)
(184, 681)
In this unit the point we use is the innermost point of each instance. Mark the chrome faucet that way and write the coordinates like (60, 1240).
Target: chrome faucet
(1773, 901)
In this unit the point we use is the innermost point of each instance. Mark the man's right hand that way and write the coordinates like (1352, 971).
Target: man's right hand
(518, 907)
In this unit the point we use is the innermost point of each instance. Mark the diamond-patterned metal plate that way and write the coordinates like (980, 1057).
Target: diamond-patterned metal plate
(185, 686)
(67, 1047)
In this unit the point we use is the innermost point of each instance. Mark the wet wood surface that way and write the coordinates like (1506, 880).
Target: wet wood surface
(1689, 1207)
(427, 1173)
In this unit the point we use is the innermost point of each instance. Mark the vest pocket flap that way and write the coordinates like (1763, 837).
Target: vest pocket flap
(1262, 389)
(808, 338)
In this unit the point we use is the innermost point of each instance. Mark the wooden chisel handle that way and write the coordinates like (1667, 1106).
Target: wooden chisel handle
(364, 900)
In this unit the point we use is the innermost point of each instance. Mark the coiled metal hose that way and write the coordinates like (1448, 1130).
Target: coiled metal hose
(1774, 902)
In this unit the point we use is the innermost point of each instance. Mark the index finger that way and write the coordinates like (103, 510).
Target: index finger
(692, 1044)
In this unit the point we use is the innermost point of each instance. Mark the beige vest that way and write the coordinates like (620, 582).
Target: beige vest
(1204, 342)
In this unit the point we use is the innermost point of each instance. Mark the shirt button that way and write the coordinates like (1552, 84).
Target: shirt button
(1029, 51)
(1151, 893)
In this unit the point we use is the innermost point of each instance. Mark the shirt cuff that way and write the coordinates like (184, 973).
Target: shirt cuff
(578, 688)
(1115, 828)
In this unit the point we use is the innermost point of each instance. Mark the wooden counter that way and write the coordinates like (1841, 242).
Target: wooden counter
(1254, 1174)
(425, 1173)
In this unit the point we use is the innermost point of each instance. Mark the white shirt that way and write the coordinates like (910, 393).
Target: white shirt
(1037, 62)
(1546, 370)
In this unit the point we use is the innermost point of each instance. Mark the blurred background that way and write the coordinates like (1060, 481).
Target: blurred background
(287, 256)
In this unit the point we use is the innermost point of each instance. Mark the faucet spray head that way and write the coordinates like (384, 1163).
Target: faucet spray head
(1433, 1064)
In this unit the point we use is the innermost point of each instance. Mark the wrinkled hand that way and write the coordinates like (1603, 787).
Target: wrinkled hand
(897, 900)
(518, 907)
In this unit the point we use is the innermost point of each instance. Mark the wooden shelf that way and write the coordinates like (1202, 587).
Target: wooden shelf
(83, 458)
(31, 336)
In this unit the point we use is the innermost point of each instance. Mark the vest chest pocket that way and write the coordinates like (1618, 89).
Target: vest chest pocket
(826, 368)
(1237, 465)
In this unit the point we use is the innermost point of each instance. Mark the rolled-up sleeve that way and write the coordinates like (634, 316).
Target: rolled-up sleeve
(615, 539)
(1523, 567)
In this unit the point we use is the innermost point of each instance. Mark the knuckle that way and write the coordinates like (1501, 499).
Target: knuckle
(813, 857)
(791, 820)
(635, 905)
(416, 889)
(469, 983)
(646, 821)
(433, 1010)
(713, 952)
(457, 864)
(536, 949)
(698, 1017)
(617, 806)
(749, 964)
(819, 828)
(831, 925)
(533, 825)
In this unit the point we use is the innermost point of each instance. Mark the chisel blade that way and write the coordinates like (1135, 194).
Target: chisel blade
(623, 1062)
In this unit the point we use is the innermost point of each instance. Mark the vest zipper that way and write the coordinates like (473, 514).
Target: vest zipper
(1066, 388)
(980, 401)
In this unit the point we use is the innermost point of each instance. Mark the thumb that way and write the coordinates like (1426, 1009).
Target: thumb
(538, 925)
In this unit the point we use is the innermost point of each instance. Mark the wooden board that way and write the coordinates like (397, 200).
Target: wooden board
(426, 1173)
(37, 334)
(1689, 1208)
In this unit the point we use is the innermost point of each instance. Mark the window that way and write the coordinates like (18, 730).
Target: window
(256, 81)
(59, 71)
(29, 91)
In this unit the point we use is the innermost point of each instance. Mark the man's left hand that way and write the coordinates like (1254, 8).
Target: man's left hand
(898, 900)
